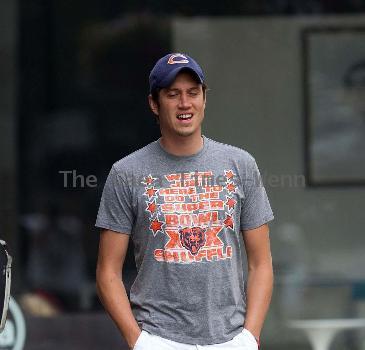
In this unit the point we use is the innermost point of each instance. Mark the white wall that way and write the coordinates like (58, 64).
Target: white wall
(253, 68)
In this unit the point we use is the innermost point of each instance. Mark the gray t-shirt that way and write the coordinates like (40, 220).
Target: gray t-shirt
(185, 216)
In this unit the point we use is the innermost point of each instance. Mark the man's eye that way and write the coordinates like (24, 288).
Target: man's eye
(193, 93)
(172, 94)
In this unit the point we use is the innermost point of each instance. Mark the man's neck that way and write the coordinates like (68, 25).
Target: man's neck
(182, 146)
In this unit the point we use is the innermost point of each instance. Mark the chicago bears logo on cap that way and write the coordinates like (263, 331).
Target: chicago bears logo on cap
(177, 58)
(192, 238)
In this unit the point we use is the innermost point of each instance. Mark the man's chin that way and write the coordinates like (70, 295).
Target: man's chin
(185, 133)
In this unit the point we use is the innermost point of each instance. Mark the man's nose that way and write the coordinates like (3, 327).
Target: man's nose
(184, 101)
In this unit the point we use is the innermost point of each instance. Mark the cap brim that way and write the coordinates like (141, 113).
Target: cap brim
(169, 79)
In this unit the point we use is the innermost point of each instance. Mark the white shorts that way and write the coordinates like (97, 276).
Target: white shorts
(242, 341)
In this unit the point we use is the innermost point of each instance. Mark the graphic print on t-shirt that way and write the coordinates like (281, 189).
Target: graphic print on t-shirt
(191, 211)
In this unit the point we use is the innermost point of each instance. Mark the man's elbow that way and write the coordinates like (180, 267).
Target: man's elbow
(105, 275)
(99, 279)
(261, 264)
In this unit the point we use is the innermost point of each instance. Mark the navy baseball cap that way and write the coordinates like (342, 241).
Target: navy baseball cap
(166, 69)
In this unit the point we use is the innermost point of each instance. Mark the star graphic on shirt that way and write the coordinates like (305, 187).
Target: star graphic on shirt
(148, 180)
(150, 192)
(228, 222)
(229, 174)
(230, 203)
(156, 226)
(231, 187)
(151, 207)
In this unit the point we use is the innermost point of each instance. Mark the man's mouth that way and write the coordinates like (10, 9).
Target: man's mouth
(184, 116)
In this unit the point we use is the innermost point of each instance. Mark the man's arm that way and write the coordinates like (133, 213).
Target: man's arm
(260, 277)
(112, 251)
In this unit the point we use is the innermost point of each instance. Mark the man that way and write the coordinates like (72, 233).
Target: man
(185, 200)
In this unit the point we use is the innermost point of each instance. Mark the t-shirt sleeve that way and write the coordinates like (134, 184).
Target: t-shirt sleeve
(255, 206)
(115, 210)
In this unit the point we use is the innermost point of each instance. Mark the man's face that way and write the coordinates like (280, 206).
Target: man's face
(181, 107)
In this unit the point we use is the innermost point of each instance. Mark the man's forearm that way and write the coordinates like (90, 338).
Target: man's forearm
(114, 297)
(259, 291)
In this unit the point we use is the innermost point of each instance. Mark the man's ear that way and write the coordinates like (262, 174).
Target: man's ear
(153, 104)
